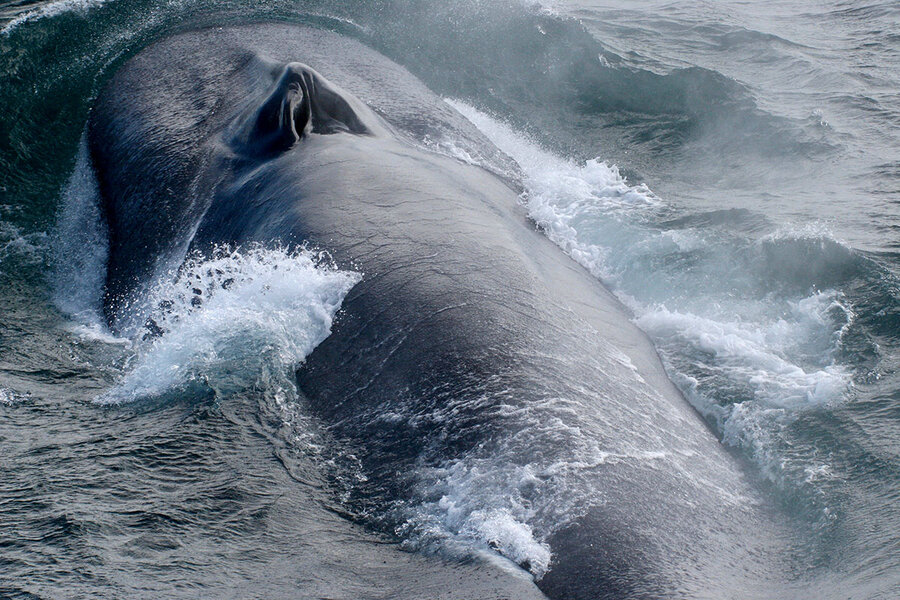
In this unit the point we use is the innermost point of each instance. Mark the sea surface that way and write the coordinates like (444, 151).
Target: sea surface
(729, 169)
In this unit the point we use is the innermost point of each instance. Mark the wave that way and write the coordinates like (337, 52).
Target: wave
(51, 10)
(750, 326)
(9, 397)
(543, 70)
(245, 312)
(548, 73)
(229, 319)
(21, 247)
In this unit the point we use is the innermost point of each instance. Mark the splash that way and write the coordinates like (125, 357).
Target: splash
(15, 245)
(481, 505)
(747, 335)
(80, 246)
(52, 10)
(228, 320)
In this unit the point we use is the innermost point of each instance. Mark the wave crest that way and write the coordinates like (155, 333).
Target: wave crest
(226, 319)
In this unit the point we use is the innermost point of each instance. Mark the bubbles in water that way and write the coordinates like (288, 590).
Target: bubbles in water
(51, 10)
(744, 332)
(19, 246)
(234, 317)
(81, 246)
(9, 397)
(482, 504)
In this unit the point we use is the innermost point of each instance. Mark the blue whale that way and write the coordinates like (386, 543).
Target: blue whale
(481, 376)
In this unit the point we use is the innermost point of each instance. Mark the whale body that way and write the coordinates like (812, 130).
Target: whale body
(474, 369)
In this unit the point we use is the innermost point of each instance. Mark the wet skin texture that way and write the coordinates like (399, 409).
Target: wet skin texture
(470, 330)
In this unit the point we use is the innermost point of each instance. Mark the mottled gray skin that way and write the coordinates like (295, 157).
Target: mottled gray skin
(470, 333)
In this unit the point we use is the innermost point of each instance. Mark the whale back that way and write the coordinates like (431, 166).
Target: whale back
(491, 388)
(163, 113)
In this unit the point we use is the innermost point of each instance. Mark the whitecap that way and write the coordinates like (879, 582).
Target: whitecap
(228, 319)
(51, 10)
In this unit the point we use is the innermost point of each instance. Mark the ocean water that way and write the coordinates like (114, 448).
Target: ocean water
(730, 170)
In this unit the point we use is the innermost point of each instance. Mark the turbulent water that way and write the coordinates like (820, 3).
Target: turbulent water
(730, 170)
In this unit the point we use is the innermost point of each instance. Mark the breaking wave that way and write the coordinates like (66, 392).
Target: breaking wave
(742, 322)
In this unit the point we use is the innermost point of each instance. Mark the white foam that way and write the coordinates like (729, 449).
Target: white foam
(27, 247)
(509, 536)
(97, 332)
(564, 197)
(8, 397)
(812, 230)
(230, 319)
(751, 353)
(51, 10)
(783, 350)
(479, 504)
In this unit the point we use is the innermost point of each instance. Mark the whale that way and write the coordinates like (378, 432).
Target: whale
(482, 377)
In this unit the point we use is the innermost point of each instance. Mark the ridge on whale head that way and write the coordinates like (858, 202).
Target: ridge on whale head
(474, 367)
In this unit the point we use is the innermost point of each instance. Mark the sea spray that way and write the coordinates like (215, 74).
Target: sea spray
(51, 10)
(80, 247)
(228, 319)
(749, 346)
